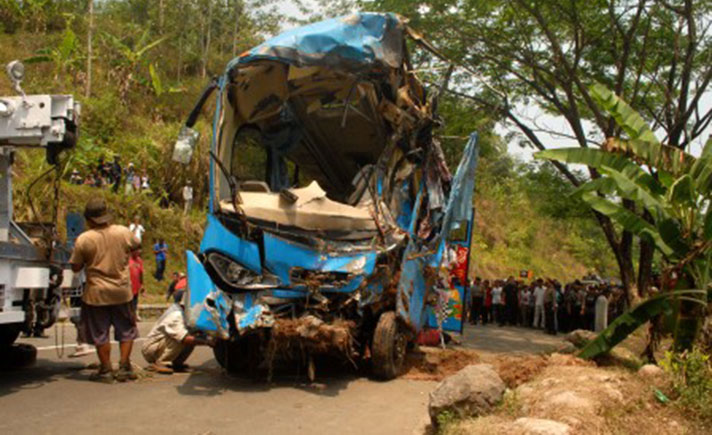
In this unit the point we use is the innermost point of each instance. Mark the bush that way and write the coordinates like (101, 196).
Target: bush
(691, 374)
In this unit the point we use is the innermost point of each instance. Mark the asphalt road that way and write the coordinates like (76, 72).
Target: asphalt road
(55, 396)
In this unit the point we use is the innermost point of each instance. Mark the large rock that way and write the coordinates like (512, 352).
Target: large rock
(650, 371)
(580, 337)
(539, 426)
(473, 391)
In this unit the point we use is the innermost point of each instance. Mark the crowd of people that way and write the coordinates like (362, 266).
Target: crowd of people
(587, 303)
(106, 174)
(112, 174)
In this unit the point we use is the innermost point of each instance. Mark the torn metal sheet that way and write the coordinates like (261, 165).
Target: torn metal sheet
(257, 316)
(355, 42)
(208, 307)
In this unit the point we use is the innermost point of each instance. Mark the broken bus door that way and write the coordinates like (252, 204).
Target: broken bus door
(459, 239)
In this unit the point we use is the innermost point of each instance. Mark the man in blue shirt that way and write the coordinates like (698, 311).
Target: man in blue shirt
(160, 250)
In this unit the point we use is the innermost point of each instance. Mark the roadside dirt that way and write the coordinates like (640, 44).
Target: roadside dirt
(435, 364)
(574, 397)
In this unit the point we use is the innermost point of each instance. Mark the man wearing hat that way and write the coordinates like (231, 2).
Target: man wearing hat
(103, 252)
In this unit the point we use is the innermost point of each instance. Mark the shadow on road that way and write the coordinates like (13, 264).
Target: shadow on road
(209, 379)
(40, 374)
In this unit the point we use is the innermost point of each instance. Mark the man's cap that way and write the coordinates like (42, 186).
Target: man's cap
(96, 212)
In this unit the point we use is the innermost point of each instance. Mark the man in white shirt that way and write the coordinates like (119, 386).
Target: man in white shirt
(539, 314)
(187, 198)
(136, 228)
(498, 303)
(169, 344)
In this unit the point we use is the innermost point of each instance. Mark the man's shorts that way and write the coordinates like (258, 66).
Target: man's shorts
(96, 321)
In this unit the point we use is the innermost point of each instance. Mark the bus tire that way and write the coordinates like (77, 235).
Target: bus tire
(388, 347)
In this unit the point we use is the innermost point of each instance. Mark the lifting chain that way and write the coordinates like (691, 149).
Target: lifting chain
(53, 240)
(55, 208)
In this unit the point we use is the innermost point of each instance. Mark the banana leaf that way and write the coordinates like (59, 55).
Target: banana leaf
(628, 220)
(683, 192)
(629, 189)
(664, 157)
(631, 320)
(701, 171)
(628, 119)
(597, 158)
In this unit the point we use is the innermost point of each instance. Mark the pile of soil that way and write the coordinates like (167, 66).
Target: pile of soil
(435, 364)
(517, 370)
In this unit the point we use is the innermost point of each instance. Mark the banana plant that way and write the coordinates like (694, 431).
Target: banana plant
(675, 188)
(65, 56)
(158, 87)
(130, 59)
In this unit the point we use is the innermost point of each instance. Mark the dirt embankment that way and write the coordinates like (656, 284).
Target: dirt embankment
(559, 394)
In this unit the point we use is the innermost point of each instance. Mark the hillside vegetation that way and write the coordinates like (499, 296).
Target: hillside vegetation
(143, 88)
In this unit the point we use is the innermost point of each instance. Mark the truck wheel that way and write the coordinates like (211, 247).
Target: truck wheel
(232, 355)
(389, 347)
(9, 333)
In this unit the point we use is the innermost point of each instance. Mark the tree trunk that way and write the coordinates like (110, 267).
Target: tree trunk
(160, 16)
(645, 266)
(236, 29)
(207, 27)
(90, 32)
(180, 56)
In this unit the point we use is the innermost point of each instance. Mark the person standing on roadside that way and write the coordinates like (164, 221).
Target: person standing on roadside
(103, 253)
(477, 302)
(160, 250)
(539, 316)
(130, 174)
(136, 273)
(487, 304)
(116, 172)
(498, 303)
(137, 229)
(550, 308)
(512, 300)
(524, 294)
(187, 198)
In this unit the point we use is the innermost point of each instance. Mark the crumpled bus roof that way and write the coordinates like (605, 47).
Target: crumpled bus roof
(356, 42)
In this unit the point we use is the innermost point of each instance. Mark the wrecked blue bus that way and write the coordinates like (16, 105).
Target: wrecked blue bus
(330, 199)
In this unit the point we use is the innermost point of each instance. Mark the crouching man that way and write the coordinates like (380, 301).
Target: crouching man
(169, 344)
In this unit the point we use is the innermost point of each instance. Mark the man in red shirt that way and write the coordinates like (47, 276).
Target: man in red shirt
(136, 274)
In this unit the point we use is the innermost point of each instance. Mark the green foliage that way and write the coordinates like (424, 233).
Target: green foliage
(65, 55)
(691, 374)
(526, 219)
(446, 419)
(632, 123)
(157, 83)
(629, 321)
(674, 204)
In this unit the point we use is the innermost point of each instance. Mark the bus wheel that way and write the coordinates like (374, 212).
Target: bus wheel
(389, 347)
